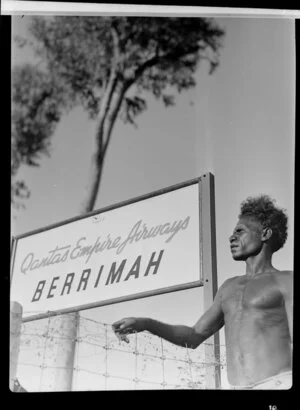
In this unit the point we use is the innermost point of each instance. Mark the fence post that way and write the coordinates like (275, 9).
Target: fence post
(59, 360)
(16, 311)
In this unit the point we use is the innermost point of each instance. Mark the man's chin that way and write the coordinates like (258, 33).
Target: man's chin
(238, 257)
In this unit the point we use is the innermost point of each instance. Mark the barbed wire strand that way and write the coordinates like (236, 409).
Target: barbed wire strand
(149, 355)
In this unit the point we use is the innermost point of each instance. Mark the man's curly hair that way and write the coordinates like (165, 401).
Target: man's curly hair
(263, 209)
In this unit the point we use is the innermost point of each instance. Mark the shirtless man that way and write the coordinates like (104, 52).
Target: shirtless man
(256, 308)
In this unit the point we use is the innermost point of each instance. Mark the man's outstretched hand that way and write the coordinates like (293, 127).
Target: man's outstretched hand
(126, 326)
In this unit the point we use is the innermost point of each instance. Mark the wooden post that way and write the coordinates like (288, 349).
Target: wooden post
(59, 360)
(212, 345)
(15, 336)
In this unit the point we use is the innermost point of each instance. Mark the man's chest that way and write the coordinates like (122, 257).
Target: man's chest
(259, 293)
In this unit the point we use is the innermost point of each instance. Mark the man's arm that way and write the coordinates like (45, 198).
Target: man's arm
(210, 322)
(286, 281)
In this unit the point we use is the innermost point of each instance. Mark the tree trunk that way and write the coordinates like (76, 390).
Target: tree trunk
(97, 162)
(106, 121)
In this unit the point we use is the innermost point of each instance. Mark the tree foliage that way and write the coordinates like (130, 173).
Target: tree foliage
(34, 116)
(94, 62)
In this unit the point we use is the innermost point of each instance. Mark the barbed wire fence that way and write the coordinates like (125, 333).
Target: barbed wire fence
(102, 362)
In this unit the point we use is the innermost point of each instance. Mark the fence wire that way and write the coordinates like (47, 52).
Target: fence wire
(102, 362)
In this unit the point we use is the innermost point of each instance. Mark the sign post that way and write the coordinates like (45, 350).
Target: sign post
(212, 347)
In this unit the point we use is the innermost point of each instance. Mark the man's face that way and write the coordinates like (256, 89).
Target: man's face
(246, 239)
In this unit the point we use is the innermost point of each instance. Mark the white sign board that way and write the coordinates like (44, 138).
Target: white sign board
(145, 247)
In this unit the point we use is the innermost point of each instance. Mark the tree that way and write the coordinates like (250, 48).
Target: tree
(107, 65)
(34, 116)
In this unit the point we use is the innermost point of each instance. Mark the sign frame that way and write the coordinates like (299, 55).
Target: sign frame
(206, 237)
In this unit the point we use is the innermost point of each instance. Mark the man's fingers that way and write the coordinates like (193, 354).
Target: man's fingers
(118, 322)
(122, 328)
(116, 325)
(122, 337)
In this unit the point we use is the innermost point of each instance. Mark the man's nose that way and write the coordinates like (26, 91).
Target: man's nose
(232, 238)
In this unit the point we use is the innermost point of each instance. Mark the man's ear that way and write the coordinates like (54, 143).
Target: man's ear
(266, 234)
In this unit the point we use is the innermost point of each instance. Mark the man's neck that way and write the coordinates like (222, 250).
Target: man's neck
(258, 265)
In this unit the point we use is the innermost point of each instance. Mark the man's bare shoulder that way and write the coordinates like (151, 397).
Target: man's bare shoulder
(284, 275)
(284, 279)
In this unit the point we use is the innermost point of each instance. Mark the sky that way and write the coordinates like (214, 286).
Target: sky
(238, 124)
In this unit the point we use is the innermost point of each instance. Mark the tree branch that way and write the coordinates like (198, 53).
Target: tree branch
(168, 56)
(114, 114)
(116, 43)
(105, 106)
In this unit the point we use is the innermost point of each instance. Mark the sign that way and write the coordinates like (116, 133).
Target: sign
(148, 246)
